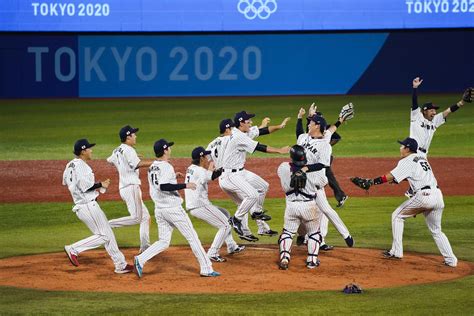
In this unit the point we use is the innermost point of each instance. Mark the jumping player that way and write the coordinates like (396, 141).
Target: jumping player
(300, 209)
(79, 179)
(197, 203)
(169, 212)
(427, 199)
(127, 162)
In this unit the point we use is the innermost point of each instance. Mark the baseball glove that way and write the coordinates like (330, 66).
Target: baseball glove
(352, 288)
(347, 112)
(298, 180)
(362, 183)
(468, 95)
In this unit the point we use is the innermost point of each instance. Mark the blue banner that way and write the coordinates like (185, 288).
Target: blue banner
(232, 15)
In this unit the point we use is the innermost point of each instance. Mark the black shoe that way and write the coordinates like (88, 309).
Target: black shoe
(326, 247)
(237, 225)
(261, 215)
(237, 250)
(312, 265)
(250, 238)
(388, 255)
(342, 201)
(300, 240)
(349, 241)
(269, 232)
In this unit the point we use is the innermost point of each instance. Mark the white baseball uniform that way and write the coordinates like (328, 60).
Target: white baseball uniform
(198, 204)
(300, 210)
(427, 199)
(126, 160)
(170, 214)
(422, 130)
(318, 150)
(79, 178)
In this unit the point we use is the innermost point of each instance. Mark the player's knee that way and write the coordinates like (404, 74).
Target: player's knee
(285, 235)
(253, 196)
(317, 237)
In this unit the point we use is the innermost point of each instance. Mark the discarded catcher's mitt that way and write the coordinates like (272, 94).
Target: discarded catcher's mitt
(352, 288)
(298, 180)
(362, 183)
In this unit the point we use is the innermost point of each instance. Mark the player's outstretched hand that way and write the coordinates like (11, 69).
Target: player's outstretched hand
(283, 124)
(265, 122)
(191, 185)
(284, 150)
(347, 112)
(468, 95)
(417, 82)
(312, 110)
(105, 183)
(301, 113)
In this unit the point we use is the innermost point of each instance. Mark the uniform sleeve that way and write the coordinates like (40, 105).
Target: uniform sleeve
(206, 176)
(414, 114)
(111, 159)
(327, 135)
(167, 174)
(439, 119)
(325, 154)
(300, 139)
(283, 174)
(247, 144)
(254, 132)
(401, 171)
(85, 179)
(132, 158)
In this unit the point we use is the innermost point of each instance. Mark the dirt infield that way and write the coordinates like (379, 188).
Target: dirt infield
(40, 180)
(252, 271)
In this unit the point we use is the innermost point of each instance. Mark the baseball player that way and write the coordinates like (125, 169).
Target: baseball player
(169, 212)
(240, 184)
(79, 179)
(427, 199)
(424, 121)
(198, 204)
(127, 162)
(300, 208)
(318, 151)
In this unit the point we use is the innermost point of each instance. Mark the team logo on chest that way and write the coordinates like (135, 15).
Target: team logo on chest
(428, 126)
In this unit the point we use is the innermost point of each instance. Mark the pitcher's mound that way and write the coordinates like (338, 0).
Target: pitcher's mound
(254, 270)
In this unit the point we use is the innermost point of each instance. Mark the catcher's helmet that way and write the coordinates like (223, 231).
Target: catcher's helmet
(298, 155)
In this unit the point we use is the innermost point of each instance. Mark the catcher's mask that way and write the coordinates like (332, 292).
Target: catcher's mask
(298, 156)
(321, 122)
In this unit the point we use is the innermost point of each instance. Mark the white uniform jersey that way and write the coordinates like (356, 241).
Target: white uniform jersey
(78, 177)
(162, 172)
(199, 197)
(284, 173)
(254, 132)
(126, 160)
(416, 169)
(217, 147)
(318, 150)
(235, 151)
(422, 130)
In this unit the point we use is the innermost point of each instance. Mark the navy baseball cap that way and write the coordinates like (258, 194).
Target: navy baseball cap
(410, 143)
(320, 121)
(127, 131)
(429, 106)
(81, 145)
(161, 145)
(242, 117)
(225, 124)
(199, 152)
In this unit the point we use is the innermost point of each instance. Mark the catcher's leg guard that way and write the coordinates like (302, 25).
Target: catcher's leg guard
(285, 241)
(314, 241)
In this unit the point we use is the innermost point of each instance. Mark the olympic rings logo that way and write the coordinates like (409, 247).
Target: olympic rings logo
(253, 8)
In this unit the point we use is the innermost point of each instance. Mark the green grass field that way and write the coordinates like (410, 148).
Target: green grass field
(47, 129)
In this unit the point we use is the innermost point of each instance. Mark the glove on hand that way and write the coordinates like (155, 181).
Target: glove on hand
(298, 180)
(347, 112)
(362, 183)
(468, 95)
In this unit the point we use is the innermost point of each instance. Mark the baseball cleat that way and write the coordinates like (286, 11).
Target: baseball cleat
(72, 257)
(217, 259)
(452, 265)
(261, 215)
(326, 247)
(349, 241)
(127, 269)
(283, 265)
(250, 238)
(211, 274)
(342, 201)
(237, 225)
(269, 232)
(138, 268)
(237, 250)
(388, 255)
(312, 265)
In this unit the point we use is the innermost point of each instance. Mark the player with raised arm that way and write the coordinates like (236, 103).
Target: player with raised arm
(127, 162)
(427, 199)
(169, 211)
(79, 179)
